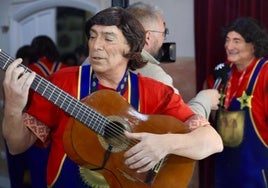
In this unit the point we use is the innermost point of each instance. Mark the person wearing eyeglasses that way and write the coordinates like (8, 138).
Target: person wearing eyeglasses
(150, 16)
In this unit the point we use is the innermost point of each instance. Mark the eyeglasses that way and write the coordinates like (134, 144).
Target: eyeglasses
(165, 33)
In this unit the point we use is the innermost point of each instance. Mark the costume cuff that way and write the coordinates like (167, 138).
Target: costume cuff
(37, 127)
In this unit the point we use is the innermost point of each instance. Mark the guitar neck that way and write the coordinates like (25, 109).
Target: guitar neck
(60, 98)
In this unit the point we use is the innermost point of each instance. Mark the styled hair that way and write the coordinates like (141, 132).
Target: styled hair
(44, 46)
(252, 31)
(147, 14)
(131, 28)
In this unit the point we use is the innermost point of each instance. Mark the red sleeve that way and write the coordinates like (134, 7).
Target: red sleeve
(44, 110)
(158, 98)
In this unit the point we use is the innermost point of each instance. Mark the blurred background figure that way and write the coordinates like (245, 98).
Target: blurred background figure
(81, 53)
(27, 54)
(48, 56)
(47, 62)
(69, 59)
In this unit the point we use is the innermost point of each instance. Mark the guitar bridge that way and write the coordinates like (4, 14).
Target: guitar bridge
(158, 166)
(151, 175)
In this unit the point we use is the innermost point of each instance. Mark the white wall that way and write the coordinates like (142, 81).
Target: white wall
(4, 23)
(178, 15)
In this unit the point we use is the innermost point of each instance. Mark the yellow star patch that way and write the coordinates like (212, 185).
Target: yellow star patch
(245, 100)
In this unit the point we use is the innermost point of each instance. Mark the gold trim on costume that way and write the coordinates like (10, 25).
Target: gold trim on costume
(59, 171)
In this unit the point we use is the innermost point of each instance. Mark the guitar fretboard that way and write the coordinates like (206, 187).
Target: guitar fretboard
(62, 99)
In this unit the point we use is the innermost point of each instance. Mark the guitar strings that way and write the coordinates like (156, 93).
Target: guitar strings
(84, 108)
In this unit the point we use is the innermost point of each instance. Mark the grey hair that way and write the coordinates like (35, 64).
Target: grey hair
(145, 13)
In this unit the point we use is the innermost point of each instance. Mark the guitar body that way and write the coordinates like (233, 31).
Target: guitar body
(89, 149)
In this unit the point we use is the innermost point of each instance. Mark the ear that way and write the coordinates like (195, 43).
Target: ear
(147, 37)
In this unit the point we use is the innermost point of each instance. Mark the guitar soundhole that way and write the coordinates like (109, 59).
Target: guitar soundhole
(114, 134)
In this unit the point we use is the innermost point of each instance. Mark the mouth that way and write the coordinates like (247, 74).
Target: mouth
(96, 58)
(232, 53)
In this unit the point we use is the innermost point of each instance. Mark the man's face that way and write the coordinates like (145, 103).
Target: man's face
(157, 36)
(238, 51)
(107, 46)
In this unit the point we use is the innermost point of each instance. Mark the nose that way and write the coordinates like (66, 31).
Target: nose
(96, 44)
(228, 45)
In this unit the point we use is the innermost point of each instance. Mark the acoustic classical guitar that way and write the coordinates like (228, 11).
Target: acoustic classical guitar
(94, 137)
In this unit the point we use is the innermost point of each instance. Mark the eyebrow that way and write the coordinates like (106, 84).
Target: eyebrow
(105, 32)
(236, 38)
(110, 33)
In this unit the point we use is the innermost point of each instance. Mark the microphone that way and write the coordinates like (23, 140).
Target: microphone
(220, 74)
